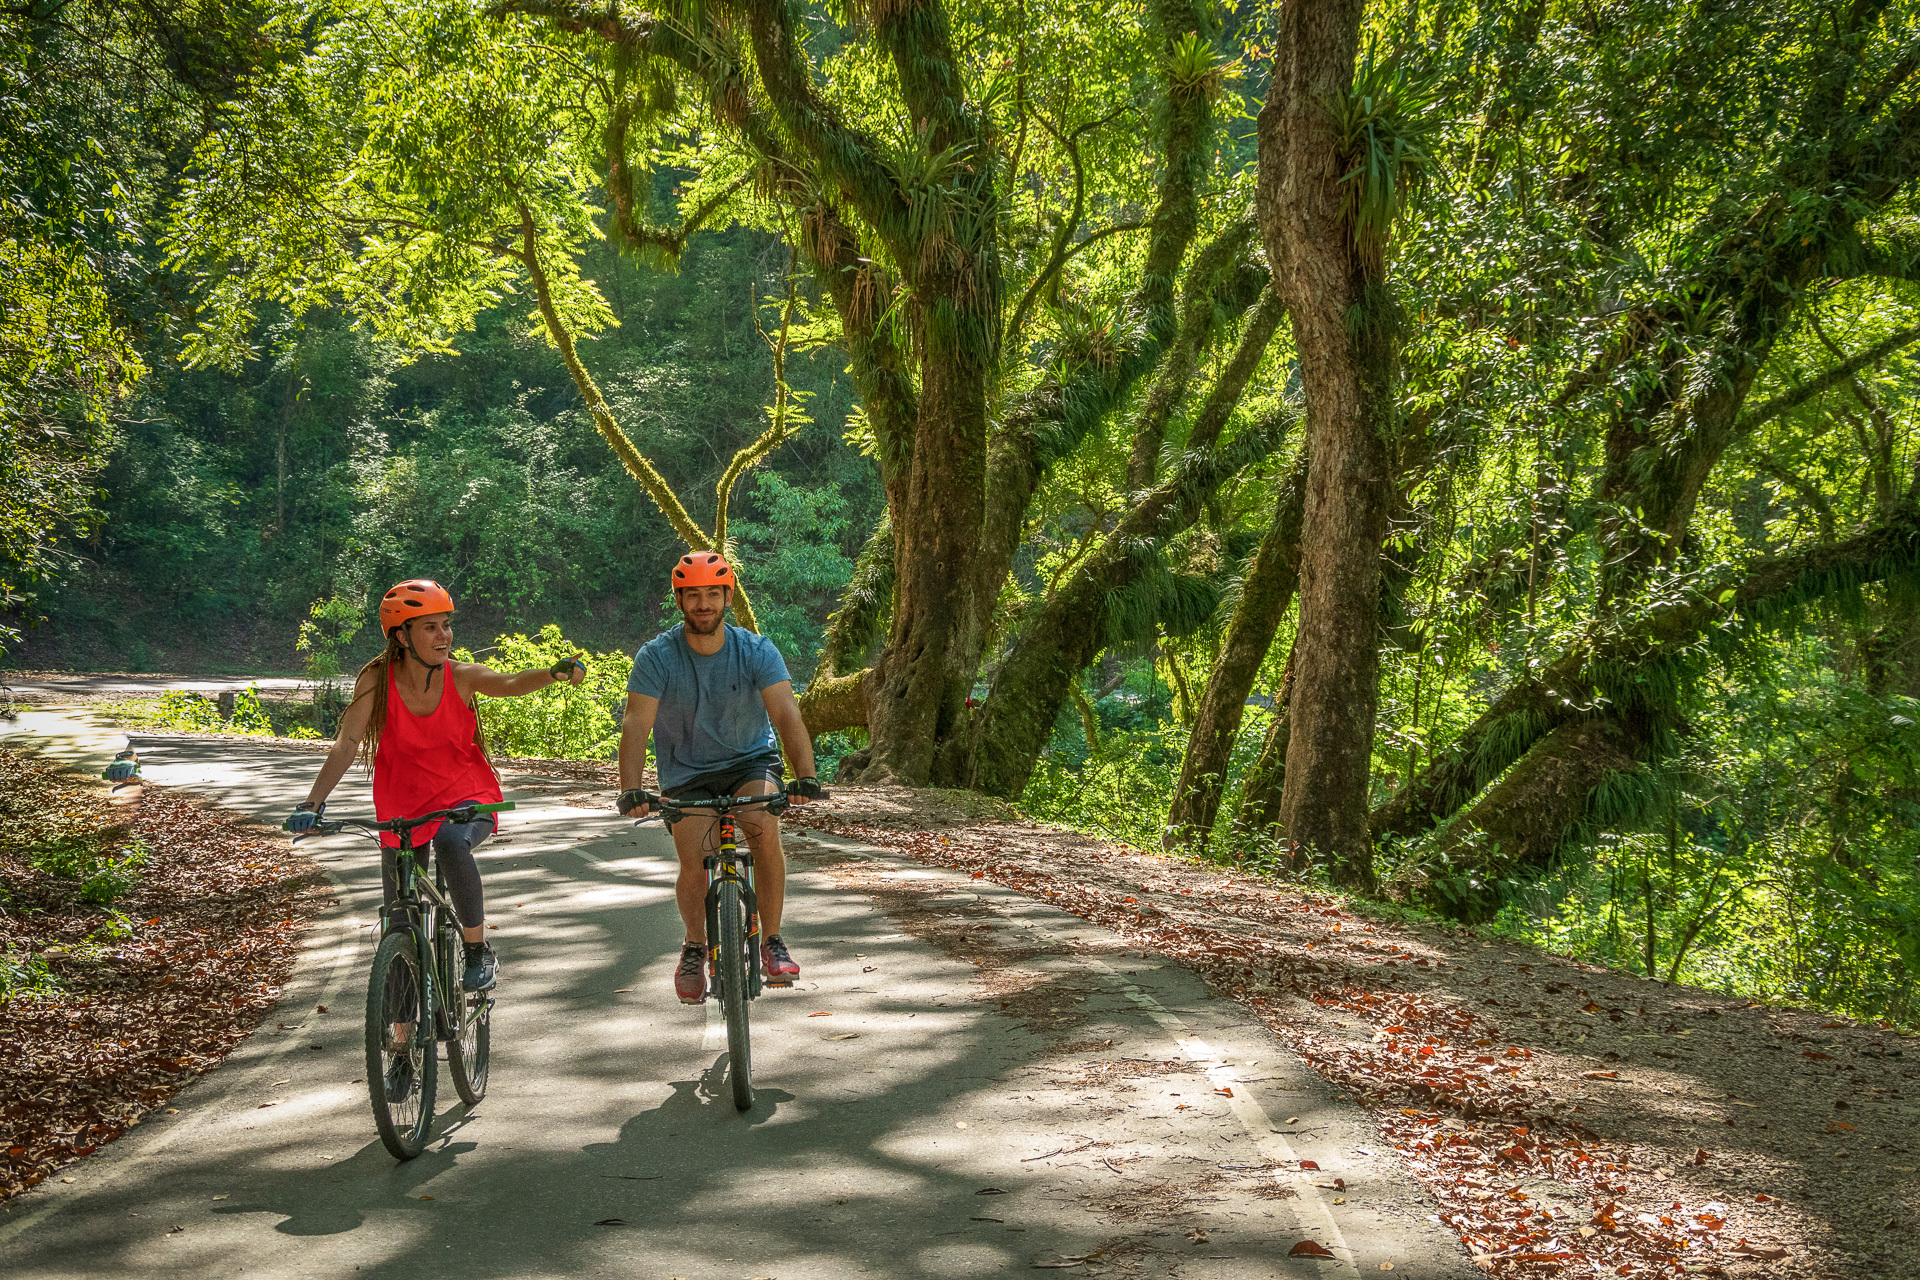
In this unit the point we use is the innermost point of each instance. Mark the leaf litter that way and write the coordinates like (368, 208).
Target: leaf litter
(1565, 1118)
(148, 991)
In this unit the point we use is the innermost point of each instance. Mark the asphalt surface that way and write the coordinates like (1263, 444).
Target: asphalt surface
(914, 1130)
(86, 684)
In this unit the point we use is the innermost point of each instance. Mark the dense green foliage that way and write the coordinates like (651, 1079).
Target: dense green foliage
(1651, 614)
(329, 469)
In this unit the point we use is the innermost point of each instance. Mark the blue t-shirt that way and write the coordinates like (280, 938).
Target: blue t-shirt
(711, 716)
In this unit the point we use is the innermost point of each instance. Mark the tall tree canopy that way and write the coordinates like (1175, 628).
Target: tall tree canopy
(1004, 262)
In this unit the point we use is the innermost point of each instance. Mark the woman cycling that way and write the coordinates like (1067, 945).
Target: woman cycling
(425, 748)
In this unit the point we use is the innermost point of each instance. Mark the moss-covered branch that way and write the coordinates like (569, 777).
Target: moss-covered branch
(1639, 660)
(606, 424)
(1071, 628)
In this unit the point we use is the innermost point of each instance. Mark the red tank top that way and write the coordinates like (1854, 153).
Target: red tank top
(429, 762)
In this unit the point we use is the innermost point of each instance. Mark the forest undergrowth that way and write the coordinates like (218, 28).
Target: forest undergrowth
(1751, 893)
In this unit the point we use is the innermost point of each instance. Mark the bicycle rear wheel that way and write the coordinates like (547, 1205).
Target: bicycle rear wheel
(468, 1051)
(402, 1063)
(731, 971)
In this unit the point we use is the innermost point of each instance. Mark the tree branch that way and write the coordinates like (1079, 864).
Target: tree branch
(603, 420)
(1792, 399)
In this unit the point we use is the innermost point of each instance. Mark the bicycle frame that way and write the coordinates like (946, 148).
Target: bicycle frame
(417, 904)
(729, 864)
(417, 945)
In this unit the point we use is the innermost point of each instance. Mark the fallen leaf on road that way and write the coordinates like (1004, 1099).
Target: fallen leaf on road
(822, 1014)
(611, 1222)
(1599, 1075)
(1309, 1164)
(1840, 1126)
(1699, 1155)
(991, 1191)
(986, 1219)
(1227, 1092)
(426, 1197)
(846, 1035)
(1309, 1249)
(272, 1102)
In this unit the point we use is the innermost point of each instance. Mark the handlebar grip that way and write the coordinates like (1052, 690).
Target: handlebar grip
(499, 807)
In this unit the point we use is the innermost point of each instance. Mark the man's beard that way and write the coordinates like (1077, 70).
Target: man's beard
(703, 629)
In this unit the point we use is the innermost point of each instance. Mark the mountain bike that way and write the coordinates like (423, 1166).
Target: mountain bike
(419, 957)
(733, 921)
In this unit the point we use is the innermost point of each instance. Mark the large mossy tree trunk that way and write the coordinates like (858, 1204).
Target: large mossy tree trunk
(961, 457)
(1335, 296)
(1523, 821)
(1266, 595)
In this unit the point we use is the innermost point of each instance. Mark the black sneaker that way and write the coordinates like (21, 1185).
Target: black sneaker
(776, 965)
(690, 979)
(481, 972)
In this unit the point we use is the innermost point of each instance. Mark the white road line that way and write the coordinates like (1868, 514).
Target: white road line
(205, 1109)
(1245, 1107)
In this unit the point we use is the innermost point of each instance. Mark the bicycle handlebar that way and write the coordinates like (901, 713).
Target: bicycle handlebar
(724, 804)
(400, 826)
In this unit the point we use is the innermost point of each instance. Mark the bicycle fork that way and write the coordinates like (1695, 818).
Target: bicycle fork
(730, 864)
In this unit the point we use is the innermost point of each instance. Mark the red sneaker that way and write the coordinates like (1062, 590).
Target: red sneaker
(776, 966)
(690, 979)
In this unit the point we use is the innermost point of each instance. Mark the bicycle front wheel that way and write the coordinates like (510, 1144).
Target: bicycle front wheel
(402, 1063)
(468, 1051)
(731, 970)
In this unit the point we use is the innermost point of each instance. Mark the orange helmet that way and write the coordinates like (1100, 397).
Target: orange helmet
(703, 569)
(414, 598)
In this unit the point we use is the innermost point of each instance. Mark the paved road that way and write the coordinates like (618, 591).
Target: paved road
(93, 685)
(608, 1146)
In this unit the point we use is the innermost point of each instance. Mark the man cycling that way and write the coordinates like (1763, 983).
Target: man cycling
(426, 750)
(714, 696)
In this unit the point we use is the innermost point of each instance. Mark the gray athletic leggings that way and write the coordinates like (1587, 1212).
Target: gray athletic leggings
(453, 845)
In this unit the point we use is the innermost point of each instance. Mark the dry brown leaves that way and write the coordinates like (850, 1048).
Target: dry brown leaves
(1528, 1188)
(212, 929)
